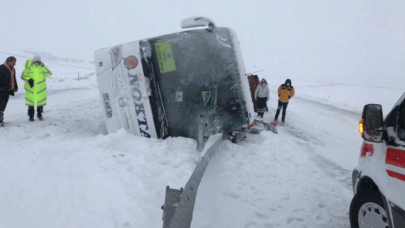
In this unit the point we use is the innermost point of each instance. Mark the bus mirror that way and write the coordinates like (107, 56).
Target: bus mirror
(197, 21)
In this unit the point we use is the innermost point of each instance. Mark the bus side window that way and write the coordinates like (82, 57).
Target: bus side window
(401, 123)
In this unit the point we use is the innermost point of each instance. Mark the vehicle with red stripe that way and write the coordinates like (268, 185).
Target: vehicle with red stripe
(379, 178)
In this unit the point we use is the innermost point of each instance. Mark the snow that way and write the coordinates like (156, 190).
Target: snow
(67, 172)
(351, 97)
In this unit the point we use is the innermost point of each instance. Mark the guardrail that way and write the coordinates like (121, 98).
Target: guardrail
(179, 203)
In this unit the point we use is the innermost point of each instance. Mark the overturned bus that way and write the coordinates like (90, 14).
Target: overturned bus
(164, 86)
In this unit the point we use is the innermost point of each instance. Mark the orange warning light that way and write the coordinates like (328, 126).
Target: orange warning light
(361, 126)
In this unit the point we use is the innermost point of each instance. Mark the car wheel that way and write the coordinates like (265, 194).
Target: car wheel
(367, 210)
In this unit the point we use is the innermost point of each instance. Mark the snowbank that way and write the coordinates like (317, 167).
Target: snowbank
(66, 171)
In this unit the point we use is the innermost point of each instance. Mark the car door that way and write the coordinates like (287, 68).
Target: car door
(395, 162)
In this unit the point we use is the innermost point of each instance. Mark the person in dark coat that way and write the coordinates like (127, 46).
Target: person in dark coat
(253, 83)
(8, 84)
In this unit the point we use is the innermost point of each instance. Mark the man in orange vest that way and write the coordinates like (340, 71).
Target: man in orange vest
(285, 93)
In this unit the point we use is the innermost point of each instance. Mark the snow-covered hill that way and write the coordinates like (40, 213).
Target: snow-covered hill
(66, 171)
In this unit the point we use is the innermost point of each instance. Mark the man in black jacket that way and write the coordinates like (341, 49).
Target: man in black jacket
(8, 84)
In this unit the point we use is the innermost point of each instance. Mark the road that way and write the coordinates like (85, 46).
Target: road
(65, 172)
(298, 178)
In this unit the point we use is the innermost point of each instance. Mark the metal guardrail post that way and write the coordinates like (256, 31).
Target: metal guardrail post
(201, 128)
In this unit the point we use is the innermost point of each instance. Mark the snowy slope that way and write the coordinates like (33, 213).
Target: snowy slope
(351, 97)
(67, 172)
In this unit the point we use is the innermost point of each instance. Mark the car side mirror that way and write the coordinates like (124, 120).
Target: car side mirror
(371, 126)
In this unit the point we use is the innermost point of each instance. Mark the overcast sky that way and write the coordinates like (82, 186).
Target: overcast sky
(322, 40)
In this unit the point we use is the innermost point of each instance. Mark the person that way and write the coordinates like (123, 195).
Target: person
(253, 83)
(262, 95)
(8, 84)
(285, 93)
(34, 75)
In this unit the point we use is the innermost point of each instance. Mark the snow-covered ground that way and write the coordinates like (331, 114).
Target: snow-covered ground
(345, 96)
(67, 172)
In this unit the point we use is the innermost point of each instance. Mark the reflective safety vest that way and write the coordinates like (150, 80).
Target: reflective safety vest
(35, 96)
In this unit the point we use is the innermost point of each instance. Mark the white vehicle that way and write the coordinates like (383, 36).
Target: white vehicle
(163, 86)
(379, 179)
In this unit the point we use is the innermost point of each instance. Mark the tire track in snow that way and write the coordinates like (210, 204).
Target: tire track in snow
(330, 168)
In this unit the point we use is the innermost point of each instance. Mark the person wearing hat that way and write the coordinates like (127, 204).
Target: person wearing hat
(8, 84)
(262, 95)
(34, 75)
(285, 93)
